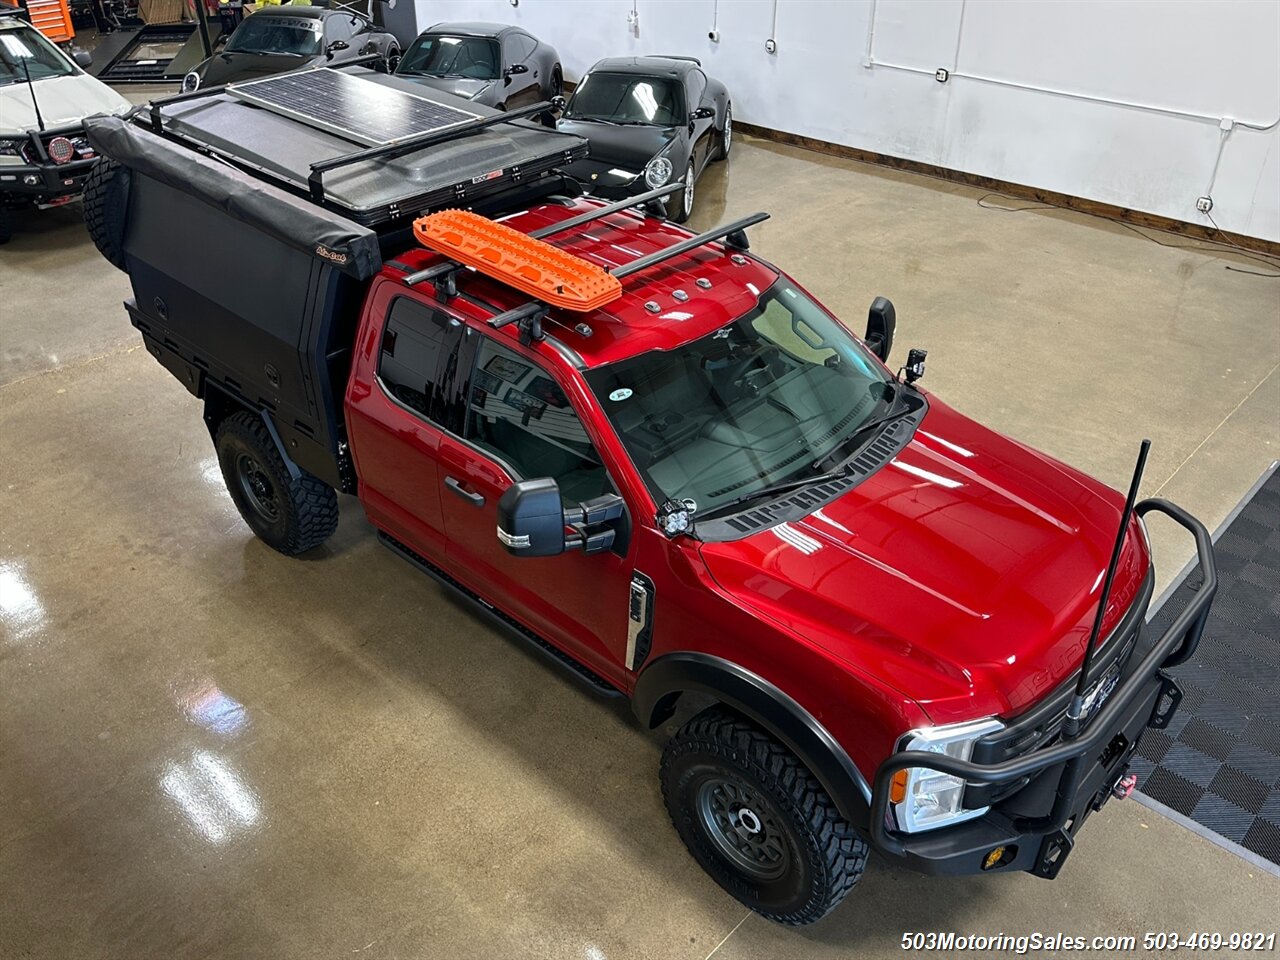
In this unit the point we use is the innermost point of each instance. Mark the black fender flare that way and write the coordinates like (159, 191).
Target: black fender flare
(666, 678)
(219, 404)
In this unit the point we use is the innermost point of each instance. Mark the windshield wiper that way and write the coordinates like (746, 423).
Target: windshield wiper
(867, 427)
(578, 116)
(775, 489)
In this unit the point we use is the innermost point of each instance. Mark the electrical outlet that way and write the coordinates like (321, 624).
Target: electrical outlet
(1204, 204)
(942, 75)
(771, 45)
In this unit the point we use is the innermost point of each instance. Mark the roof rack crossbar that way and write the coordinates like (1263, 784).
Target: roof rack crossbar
(640, 199)
(155, 105)
(526, 311)
(432, 272)
(734, 234)
(429, 139)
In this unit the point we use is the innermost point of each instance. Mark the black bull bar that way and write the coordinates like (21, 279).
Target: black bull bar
(1176, 646)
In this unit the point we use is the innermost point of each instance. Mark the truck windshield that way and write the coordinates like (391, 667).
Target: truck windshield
(277, 36)
(435, 55)
(24, 51)
(767, 399)
(626, 98)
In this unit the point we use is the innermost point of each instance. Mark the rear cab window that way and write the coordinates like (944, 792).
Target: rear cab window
(418, 360)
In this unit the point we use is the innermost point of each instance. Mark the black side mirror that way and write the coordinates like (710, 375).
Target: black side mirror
(704, 113)
(531, 520)
(517, 68)
(335, 46)
(82, 57)
(882, 320)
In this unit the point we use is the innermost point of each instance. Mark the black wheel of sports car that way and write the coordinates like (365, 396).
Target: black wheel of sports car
(757, 820)
(685, 207)
(391, 60)
(106, 206)
(726, 133)
(557, 81)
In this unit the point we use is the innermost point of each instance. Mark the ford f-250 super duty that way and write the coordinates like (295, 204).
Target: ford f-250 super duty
(659, 460)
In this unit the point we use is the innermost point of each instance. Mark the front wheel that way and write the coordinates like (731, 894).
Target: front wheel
(757, 820)
(289, 514)
(685, 208)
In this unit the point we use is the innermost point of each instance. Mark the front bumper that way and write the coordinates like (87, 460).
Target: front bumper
(43, 181)
(1071, 777)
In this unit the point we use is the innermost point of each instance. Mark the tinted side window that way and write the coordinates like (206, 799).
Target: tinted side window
(419, 353)
(521, 415)
(340, 27)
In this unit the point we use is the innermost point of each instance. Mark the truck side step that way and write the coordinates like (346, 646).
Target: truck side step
(589, 678)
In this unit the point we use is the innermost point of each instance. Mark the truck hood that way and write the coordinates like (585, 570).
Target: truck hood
(63, 101)
(966, 572)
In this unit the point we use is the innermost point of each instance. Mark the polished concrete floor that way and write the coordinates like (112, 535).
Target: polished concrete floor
(208, 750)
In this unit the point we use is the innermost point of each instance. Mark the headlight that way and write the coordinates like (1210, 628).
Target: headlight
(657, 172)
(191, 82)
(925, 799)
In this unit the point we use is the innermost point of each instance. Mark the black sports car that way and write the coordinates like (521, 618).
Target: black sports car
(650, 120)
(278, 39)
(493, 64)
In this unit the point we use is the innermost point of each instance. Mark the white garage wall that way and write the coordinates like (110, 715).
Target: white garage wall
(1113, 100)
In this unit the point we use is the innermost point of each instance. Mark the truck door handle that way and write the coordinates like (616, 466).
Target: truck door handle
(476, 499)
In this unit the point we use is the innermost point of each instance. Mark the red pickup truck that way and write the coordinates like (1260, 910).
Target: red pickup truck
(705, 491)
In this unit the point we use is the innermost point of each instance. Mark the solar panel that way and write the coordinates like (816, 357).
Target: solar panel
(351, 107)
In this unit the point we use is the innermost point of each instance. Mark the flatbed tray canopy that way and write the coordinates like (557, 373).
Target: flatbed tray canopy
(379, 190)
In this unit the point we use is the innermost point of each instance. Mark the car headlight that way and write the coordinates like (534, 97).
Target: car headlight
(657, 172)
(191, 82)
(11, 151)
(925, 799)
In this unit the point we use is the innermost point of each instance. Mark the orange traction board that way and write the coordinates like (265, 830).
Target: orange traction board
(532, 266)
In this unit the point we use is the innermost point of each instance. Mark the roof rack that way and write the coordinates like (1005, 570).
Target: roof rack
(639, 200)
(446, 273)
(533, 277)
(733, 234)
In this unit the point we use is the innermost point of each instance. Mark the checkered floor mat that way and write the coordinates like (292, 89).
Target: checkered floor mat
(1218, 762)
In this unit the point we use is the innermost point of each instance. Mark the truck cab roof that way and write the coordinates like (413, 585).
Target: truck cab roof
(662, 307)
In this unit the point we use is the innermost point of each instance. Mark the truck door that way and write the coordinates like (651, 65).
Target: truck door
(396, 414)
(519, 424)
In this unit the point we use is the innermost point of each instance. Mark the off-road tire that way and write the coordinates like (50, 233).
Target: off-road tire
(305, 509)
(106, 207)
(824, 857)
(6, 224)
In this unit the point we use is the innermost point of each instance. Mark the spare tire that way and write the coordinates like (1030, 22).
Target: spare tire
(106, 208)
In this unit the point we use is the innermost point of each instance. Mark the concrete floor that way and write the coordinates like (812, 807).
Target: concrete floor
(207, 749)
